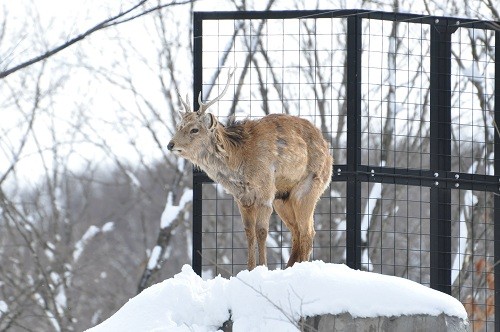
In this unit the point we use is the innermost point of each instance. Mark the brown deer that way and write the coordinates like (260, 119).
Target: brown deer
(278, 161)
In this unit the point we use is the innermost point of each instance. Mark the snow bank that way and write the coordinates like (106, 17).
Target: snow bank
(263, 300)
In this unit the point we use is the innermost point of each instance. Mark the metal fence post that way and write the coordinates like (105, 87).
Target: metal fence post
(197, 180)
(497, 174)
(440, 156)
(353, 92)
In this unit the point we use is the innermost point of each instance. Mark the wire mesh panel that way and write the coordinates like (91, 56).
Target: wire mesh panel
(473, 256)
(395, 229)
(408, 106)
(472, 152)
(473, 86)
(395, 95)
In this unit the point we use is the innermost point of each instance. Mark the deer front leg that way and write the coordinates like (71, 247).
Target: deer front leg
(250, 232)
(256, 222)
(248, 216)
(262, 227)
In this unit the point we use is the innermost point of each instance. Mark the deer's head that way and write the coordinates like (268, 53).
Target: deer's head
(195, 128)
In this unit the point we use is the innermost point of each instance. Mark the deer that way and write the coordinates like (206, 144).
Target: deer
(279, 161)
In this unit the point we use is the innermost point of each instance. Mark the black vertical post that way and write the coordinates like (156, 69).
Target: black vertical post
(353, 91)
(197, 222)
(197, 179)
(497, 174)
(440, 156)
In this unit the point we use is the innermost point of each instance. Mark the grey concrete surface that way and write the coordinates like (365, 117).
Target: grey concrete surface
(346, 323)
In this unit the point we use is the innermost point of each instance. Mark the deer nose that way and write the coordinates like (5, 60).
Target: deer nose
(170, 146)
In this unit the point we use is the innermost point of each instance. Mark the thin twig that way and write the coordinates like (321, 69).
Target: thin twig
(112, 21)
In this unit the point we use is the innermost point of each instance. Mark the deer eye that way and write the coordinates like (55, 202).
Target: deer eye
(194, 130)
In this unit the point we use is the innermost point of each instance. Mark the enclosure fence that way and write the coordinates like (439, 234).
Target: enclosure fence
(410, 107)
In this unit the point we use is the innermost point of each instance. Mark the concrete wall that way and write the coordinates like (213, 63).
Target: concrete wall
(415, 323)
(346, 323)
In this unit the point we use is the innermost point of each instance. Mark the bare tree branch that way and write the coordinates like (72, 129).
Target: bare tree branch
(31, 121)
(112, 21)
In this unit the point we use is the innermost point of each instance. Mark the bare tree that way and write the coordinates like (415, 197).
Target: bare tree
(72, 232)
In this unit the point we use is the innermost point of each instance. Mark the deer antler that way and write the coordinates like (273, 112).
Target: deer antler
(185, 104)
(203, 106)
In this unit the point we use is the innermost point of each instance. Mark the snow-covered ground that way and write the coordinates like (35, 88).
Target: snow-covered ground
(264, 300)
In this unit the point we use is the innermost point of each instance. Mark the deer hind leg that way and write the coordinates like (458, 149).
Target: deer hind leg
(303, 198)
(286, 212)
(302, 229)
(256, 223)
(304, 210)
(302, 237)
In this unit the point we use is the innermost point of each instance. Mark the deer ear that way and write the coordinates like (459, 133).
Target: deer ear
(209, 120)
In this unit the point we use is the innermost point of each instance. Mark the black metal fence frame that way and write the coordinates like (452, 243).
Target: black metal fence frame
(439, 178)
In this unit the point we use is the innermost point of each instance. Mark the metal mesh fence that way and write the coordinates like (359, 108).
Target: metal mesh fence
(407, 104)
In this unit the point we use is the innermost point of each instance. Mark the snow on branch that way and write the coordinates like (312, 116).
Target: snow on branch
(170, 219)
(4, 308)
(171, 211)
(91, 232)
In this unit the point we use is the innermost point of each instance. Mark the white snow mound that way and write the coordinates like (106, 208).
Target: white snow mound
(264, 300)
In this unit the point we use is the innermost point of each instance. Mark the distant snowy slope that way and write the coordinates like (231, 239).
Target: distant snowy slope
(263, 300)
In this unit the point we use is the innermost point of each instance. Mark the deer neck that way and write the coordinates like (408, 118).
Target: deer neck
(221, 168)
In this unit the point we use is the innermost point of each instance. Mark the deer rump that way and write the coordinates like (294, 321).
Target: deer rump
(278, 161)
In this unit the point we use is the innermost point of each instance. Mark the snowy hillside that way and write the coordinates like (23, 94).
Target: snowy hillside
(263, 300)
